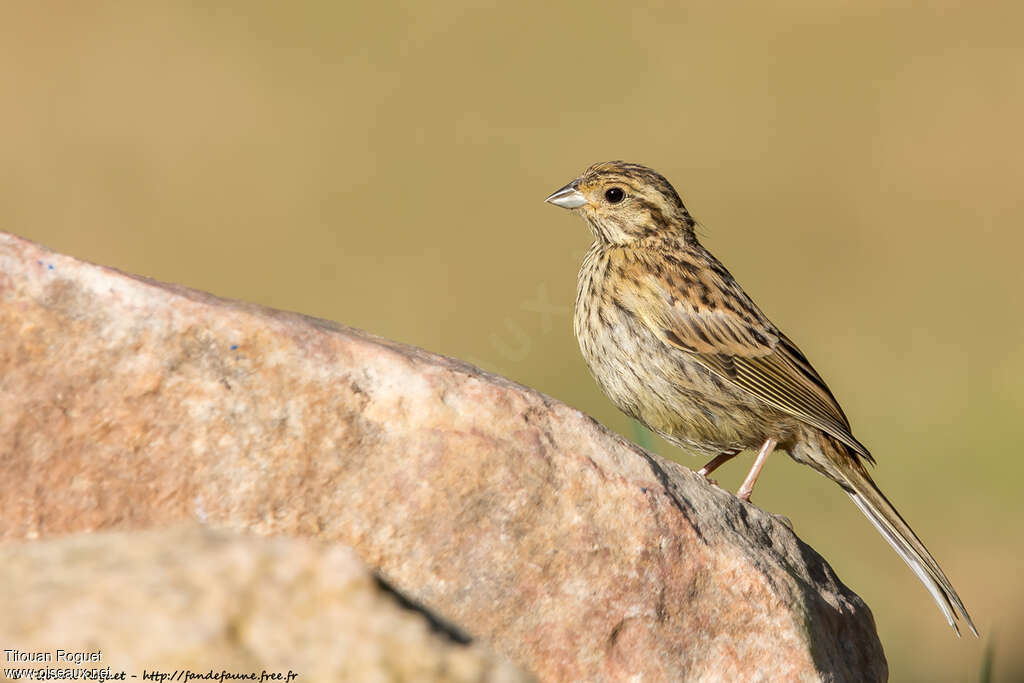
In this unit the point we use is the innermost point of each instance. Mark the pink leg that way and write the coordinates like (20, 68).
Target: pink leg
(717, 462)
(747, 487)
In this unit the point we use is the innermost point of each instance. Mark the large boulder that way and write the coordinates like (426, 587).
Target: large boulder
(127, 403)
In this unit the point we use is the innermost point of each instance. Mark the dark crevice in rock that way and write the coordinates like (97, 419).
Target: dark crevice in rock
(437, 624)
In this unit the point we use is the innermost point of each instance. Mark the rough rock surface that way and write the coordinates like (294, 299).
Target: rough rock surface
(190, 599)
(126, 403)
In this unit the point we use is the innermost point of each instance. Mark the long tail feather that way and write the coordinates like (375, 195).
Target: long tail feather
(876, 507)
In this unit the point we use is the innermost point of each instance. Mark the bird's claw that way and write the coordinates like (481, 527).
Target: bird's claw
(705, 477)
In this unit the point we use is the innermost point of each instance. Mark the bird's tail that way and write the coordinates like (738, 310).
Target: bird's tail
(857, 483)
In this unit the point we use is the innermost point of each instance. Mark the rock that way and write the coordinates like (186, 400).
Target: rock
(126, 403)
(192, 599)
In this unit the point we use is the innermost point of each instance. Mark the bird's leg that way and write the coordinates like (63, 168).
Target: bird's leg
(748, 484)
(717, 462)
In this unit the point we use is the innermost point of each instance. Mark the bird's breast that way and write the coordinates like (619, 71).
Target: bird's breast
(663, 387)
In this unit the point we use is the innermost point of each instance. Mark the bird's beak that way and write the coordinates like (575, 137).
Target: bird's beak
(569, 197)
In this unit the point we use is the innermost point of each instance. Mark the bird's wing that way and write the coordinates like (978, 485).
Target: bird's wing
(703, 312)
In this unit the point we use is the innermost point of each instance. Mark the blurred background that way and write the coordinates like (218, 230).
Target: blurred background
(857, 165)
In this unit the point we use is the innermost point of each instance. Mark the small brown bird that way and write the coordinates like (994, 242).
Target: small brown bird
(677, 344)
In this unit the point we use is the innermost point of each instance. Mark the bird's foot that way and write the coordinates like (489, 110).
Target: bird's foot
(715, 464)
(708, 479)
(747, 487)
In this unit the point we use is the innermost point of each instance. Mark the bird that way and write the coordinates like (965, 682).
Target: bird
(675, 343)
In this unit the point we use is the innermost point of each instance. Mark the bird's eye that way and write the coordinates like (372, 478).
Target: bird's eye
(614, 195)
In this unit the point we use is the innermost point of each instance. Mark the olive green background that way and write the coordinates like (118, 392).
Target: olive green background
(856, 165)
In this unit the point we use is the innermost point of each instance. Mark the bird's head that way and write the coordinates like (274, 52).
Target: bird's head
(623, 203)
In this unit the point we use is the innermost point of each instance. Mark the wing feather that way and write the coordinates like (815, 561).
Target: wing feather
(723, 330)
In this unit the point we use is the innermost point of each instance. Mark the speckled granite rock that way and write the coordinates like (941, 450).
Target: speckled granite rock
(191, 599)
(127, 403)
